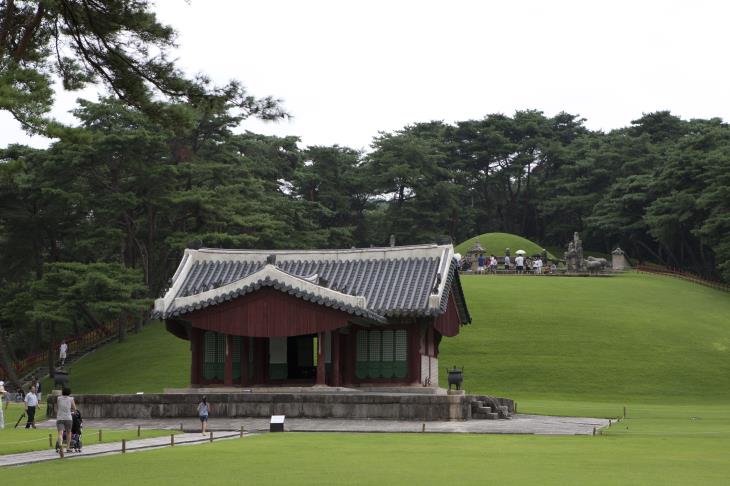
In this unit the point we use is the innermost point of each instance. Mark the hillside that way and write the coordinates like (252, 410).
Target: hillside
(634, 337)
(497, 242)
(148, 362)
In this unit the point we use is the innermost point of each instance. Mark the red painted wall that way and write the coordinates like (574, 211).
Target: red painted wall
(448, 323)
(268, 313)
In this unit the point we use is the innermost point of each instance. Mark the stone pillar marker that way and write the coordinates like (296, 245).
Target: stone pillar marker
(618, 259)
(472, 256)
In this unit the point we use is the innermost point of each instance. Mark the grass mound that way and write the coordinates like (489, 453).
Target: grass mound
(496, 243)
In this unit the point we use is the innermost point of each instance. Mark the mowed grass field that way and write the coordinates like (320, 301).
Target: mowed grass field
(567, 346)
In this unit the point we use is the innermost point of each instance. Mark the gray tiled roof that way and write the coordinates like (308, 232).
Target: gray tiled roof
(270, 276)
(397, 281)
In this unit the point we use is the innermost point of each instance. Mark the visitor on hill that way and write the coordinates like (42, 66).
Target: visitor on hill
(507, 262)
(519, 264)
(553, 268)
(37, 383)
(203, 412)
(31, 403)
(65, 406)
(493, 265)
(481, 261)
(62, 352)
(2, 408)
(537, 266)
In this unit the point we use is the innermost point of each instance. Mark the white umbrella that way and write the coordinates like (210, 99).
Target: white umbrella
(520, 252)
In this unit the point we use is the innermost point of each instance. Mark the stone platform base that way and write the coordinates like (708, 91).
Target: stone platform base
(319, 404)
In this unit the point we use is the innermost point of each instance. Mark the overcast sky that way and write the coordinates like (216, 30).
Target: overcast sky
(348, 69)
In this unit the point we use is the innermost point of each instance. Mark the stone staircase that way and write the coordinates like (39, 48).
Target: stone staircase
(42, 371)
(487, 408)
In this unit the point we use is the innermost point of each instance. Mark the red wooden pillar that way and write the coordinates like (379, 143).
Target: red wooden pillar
(336, 358)
(414, 353)
(320, 359)
(260, 360)
(244, 360)
(228, 363)
(196, 351)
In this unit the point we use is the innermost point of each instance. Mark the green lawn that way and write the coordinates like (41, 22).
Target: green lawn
(292, 458)
(24, 440)
(148, 362)
(495, 243)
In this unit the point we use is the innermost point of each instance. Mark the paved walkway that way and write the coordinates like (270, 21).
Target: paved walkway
(518, 424)
(114, 448)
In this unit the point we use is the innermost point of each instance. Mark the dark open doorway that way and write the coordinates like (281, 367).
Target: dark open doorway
(300, 357)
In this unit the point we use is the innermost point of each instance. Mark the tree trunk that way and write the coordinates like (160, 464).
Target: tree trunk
(122, 321)
(6, 363)
(51, 351)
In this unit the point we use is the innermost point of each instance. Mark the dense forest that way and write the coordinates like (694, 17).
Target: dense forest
(93, 227)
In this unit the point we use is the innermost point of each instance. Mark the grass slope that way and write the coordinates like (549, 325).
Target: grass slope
(633, 337)
(495, 243)
(149, 361)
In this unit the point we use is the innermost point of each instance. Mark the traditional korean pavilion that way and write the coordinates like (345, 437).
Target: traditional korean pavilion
(326, 317)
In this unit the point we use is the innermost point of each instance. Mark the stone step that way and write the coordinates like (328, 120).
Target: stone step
(485, 416)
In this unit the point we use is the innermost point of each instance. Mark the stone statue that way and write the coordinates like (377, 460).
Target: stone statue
(596, 265)
(506, 252)
(570, 258)
(574, 256)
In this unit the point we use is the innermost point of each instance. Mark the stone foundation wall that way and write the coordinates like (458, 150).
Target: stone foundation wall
(406, 406)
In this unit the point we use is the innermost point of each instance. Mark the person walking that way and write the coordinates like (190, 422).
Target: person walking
(203, 412)
(2, 407)
(506, 263)
(65, 406)
(62, 352)
(31, 403)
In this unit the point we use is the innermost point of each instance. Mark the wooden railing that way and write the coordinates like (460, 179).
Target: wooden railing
(684, 275)
(75, 344)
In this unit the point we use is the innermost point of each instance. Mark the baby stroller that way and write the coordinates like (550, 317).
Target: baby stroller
(76, 430)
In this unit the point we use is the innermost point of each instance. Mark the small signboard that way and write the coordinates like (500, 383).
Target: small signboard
(277, 423)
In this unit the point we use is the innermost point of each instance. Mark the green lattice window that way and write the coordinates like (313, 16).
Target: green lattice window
(237, 345)
(214, 347)
(382, 354)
